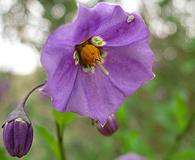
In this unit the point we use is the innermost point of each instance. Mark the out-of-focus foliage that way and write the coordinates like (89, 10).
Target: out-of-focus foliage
(63, 119)
(149, 120)
(50, 141)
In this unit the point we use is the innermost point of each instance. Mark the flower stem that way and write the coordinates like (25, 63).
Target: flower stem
(30, 92)
(180, 136)
(60, 141)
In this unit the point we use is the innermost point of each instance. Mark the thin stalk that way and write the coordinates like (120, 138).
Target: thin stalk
(179, 137)
(60, 141)
(30, 92)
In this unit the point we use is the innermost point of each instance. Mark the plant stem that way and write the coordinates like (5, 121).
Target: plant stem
(180, 137)
(60, 141)
(30, 92)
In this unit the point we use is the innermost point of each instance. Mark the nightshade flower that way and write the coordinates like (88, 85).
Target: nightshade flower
(96, 61)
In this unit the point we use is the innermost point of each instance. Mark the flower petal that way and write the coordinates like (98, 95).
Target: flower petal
(20, 136)
(79, 30)
(129, 66)
(105, 11)
(8, 137)
(86, 23)
(94, 96)
(61, 81)
(89, 20)
(119, 31)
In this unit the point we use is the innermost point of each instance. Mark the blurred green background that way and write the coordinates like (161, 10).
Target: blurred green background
(150, 120)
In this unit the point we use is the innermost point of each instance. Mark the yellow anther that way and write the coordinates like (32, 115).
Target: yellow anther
(89, 54)
(97, 41)
(89, 57)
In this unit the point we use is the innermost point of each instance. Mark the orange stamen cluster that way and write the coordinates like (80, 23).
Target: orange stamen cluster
(90, 55)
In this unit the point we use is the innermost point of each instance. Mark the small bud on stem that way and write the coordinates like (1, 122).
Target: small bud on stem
(109, 128)
(17, 130)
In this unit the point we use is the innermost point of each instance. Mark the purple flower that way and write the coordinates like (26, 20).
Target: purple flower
(17, 136)
(110, 126)
(130, 156)
(96, 61)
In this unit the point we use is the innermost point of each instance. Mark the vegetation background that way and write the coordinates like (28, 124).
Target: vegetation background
(156, 122)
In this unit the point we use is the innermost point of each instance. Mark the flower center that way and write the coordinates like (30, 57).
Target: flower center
(88, 56)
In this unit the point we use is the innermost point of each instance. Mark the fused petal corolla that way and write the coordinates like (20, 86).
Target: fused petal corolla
(96, 61)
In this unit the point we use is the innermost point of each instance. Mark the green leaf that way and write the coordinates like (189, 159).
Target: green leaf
(2, 154)
(63, 118)
(163, 3)
(187, 154)
(122, 115)
(49, 139)
(132, 141)
(181, 111)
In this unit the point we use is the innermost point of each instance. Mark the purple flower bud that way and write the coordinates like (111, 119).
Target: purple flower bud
(17, 132)
(109, 128)
(17, 136)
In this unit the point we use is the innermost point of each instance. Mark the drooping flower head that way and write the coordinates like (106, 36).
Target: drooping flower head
(18, 137)
(17, 133)
(96, 61)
